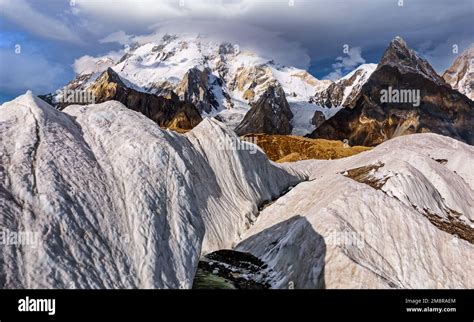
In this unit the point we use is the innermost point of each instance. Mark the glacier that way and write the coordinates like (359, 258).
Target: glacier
(117, 202)
(398, 216)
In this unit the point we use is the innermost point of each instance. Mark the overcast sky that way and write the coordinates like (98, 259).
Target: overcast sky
(56, 37)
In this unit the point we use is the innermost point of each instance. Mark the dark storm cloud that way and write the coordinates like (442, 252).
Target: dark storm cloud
(322, 27)
(305, 33)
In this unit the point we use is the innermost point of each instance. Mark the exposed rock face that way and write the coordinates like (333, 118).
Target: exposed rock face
(398, 216)
(80, 83)
(237, 270)
(197, 87)
(271, 114)
(461, 73)
(251, 81)
(58, 99)
(373, 120)
(113, 201)
(345, 91)
(166, 112)
(318, 118)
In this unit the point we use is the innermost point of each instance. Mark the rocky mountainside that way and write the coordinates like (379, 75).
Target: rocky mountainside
(114, 201)
(166, 112)
(345, 91)
(404, 95)
(398, 55)
(197, 88)
(461, 73)
(271, 114)
(218, 78)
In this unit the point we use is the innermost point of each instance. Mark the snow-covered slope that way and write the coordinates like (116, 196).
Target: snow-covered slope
(461, 73)
(344, 91)
(399, 216)
(98, 196)
(354, 81)
(113, 201)
(340, 94)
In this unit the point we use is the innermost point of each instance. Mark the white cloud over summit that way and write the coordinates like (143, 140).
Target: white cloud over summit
(263, 42)
(88, 64)
(346, 63)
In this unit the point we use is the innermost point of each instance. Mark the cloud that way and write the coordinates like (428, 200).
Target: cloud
(263, 42)
(311, 32)
(117, 37)
(442, 55)
(150, 11)
(353, 59)
(21, 13)
(346, 64)
(89, 64)
(317, 27)
(28, 71)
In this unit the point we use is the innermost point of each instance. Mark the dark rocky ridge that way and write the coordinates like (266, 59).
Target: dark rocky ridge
(271, 114)
(166, 112)
(238, 270)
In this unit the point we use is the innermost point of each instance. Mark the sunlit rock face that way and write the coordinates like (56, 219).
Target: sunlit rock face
(418, 101)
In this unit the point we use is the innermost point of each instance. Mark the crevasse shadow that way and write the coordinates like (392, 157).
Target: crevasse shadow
(294, 252)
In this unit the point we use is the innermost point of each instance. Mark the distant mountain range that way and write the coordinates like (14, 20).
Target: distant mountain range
(218, 80)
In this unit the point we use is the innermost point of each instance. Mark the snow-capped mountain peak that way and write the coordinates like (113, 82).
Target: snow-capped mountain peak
(344, 91)
(219, 78)
(461, 73)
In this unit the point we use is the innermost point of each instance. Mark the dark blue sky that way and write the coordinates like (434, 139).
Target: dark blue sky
(309, 34)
